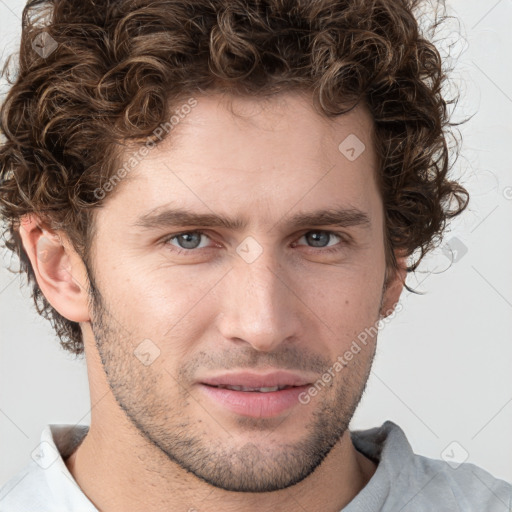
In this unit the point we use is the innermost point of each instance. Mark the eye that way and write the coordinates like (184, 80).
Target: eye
(320, 239)
(188, 241)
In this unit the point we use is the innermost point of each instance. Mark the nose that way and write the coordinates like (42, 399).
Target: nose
(258, 305)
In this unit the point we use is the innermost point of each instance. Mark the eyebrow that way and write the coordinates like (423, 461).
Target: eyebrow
(341, 217)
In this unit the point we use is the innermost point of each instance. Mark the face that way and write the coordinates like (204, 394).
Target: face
(200, 322)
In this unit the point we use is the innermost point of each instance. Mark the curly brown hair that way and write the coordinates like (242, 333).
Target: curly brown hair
(113, 72)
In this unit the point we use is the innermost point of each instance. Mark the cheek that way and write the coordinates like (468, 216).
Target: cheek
(160, 289)
(172, 306)
(348, 303)
(353, 288)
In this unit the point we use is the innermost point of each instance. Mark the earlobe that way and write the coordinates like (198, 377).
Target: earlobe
(58, 269)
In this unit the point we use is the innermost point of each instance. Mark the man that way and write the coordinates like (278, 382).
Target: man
(216, 202)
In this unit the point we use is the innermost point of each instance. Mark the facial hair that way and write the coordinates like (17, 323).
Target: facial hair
(159, 412)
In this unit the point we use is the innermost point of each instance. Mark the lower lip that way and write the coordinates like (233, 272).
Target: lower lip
(255, 404)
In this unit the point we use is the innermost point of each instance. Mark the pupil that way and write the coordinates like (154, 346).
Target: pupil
(188, 235)
(315, 238)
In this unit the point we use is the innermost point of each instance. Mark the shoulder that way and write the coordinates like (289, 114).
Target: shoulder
(410, 482)
(26, 490)
(470, 487)
(45, 484)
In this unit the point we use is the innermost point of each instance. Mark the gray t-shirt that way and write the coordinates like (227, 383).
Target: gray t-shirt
(403, 481)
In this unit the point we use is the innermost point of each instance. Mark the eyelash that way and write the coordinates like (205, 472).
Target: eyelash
(180, 251)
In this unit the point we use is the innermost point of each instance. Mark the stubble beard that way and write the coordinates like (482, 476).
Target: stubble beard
(241, 466)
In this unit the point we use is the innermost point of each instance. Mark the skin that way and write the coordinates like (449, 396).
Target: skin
(155, 439)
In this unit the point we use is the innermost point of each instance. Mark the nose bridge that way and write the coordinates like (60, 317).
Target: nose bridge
(258, 306)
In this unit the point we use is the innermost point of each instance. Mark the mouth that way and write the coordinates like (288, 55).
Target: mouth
(269, 389)
(255, 395)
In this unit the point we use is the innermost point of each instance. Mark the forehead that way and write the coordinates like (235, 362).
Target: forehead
(265, 155)
(248, 130)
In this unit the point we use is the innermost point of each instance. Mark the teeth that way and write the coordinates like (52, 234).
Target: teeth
(266, 390)
(261, 390)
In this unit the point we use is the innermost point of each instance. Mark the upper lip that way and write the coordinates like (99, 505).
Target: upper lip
(257, 380)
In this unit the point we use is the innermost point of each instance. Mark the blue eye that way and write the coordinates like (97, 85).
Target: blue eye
(190, 241)
(320, 237)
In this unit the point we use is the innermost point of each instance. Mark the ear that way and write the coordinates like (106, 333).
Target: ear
(395, 279)
(58, 268)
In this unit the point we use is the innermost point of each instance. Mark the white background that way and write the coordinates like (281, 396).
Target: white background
(443, 370)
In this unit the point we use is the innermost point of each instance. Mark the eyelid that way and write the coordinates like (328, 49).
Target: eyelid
(168, 238)
(318, 231)
(345, 240)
